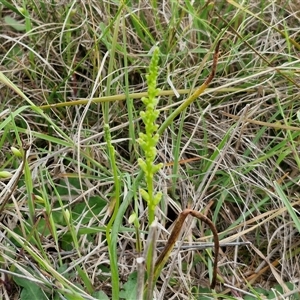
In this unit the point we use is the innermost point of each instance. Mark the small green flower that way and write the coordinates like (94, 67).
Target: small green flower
(5, 174)
(133, 217)
(145, 196)
(148, 140)
(16, 152)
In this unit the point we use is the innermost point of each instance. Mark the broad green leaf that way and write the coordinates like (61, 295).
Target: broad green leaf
(34, 292)
(30, 289)
(95, 203)
(130, 287)
(15, 24)
(100, 295)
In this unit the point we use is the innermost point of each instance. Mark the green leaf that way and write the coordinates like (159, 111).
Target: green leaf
(30, 289)
(130, 287)
(87, 283)
(35, 292)
(287, 204)
(73, 297)
(100, 295)
(14, 23)
(202, 291)
(68, 275)
(96, 204)
(63, 190)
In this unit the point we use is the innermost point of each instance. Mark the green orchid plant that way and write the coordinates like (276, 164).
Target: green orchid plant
(148, 142)
(149, 139)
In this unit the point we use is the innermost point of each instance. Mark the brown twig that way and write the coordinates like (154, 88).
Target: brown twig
(212, 227)
(198, 91)
(214, 64)
(164, 255)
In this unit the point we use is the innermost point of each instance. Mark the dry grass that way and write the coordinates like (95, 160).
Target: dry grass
(223, 166)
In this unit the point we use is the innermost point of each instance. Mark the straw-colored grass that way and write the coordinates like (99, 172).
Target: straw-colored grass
(67, 69)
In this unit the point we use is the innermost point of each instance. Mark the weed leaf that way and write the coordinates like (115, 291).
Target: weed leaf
(30, 291)
(129, 288)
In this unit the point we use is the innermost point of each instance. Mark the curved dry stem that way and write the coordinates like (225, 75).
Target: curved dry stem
(195, 94)
(164, 255)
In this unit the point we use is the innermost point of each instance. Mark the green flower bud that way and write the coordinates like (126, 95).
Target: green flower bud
(67, 214)
(39, 199)
(132, 218)
(149, 139)
(16, 152)
(157, 198)
(145, 195)
(5, 174)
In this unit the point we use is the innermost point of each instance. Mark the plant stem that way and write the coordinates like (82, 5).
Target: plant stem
(195, 94)
(111, 240)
